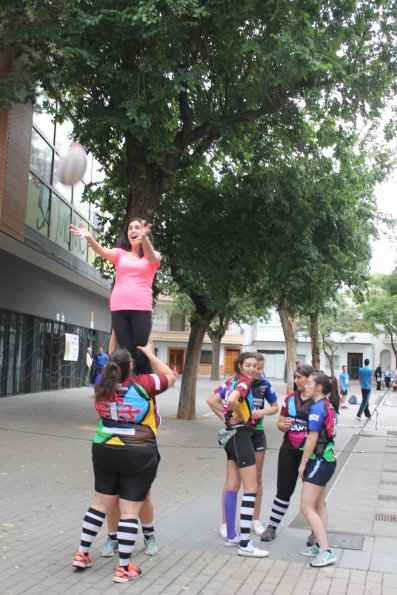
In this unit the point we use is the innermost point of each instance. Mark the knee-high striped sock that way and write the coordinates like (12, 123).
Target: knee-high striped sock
(279, 509)
(148, 529)
(126, 536)
(246, 516)
(230, 513)
(92, 522)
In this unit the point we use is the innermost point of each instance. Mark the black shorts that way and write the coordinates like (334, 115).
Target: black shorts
(240, 449)
(126, 471)
(319, 472)
(258, 440)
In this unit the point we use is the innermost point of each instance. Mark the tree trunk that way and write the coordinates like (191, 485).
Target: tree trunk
(216, 350)
(216, 337)
(290, 342)
(314, 340)
(187, 397)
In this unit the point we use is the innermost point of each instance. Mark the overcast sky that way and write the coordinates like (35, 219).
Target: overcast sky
(385, 250)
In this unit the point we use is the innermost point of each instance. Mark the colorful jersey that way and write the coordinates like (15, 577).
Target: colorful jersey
(262, 391)
(322, 419)
(134, 279)
(131, 405)
(242, 385)
(298, 409)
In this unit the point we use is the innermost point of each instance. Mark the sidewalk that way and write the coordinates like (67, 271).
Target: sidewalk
(46, 485)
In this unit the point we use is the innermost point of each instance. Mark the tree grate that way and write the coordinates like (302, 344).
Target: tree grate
(387, 498)
(385, 517)
(390, 470)
(388, 482)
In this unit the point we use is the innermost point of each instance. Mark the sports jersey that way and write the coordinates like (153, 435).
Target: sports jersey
(134, 278)
(298, 409)
(130, 406)
(262, 391)
(322, 419)
(242, 385)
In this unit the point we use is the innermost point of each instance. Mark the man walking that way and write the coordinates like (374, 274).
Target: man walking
(101, 360)
(365, 376)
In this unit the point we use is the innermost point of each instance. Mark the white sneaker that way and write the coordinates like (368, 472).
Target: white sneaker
(258, 528)
(223, 531)
(234, 541)
(252, 551)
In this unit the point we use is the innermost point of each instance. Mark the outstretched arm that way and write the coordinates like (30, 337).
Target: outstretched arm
(147, 245)
(83, 233)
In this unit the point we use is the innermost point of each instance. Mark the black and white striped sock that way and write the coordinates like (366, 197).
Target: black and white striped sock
(279, 509)
(126, 536)
(246, 516)
(92, 522)
(148, 529)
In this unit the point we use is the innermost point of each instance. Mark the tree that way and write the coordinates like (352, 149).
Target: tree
(152, 85)
(380, 308)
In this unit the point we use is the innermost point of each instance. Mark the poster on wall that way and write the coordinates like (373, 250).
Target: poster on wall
(71, 347)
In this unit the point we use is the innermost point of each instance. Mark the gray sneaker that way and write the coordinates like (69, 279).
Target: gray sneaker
(151, 547)
(110, 547)
(269, 534)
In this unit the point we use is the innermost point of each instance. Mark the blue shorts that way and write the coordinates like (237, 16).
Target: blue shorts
(319, 472)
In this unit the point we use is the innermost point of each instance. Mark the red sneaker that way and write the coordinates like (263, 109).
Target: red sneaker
(82, 560)
(123, 576)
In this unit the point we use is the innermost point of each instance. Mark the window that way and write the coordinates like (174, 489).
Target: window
(177, 322)
(52, 206)
(38, 210)
(206, 357)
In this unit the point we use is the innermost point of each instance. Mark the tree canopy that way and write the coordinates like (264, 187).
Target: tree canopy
(152, 84)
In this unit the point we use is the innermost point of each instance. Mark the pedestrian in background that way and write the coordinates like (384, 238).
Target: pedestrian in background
(88, 366)
(378, 377)
(344, 386)
(365, 377)
(101, 359)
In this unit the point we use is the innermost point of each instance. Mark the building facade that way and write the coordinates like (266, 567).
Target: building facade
(51, 296)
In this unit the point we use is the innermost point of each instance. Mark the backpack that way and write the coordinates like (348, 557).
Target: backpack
(353, 400)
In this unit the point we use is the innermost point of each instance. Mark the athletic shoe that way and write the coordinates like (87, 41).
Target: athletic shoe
(323, 558)
(151, 547)
(311, 540)
(269, 534)
(258, 528)
(252, 551)
(311, 550)
(123, 576)
(357, 418)
(223, 531)
(109, 547)
(82, 560)
(234, 541)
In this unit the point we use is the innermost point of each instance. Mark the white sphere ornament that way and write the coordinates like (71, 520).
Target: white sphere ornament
(72, 166)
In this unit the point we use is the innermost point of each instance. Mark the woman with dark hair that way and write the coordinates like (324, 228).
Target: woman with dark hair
(293, 422)
(318, 463)
(124, 453)
(131, 301)
(235, 409)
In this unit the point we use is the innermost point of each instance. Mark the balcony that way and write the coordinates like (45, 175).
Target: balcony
(180, 333)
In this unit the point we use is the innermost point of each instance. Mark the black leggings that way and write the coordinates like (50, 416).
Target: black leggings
(289, 460)
(132, 328)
